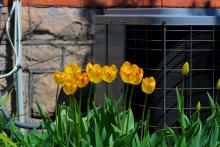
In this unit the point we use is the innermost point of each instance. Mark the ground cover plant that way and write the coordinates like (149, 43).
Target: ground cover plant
(109, 125)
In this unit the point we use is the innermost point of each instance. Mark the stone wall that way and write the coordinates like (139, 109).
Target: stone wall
(52, 38)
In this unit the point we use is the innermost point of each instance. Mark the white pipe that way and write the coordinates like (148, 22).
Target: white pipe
(12, 45)
(17, 49)
(19, 73)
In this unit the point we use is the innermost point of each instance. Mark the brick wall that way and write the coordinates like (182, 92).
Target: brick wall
(123, 3)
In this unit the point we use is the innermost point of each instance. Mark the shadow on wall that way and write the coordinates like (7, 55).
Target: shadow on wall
(88, 14)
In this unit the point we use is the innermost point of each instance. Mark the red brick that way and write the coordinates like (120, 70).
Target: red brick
(92, 3)
(199, 3)
(143, 3)
(108, 3)
(177, 3)
(70, 3)
(215, 3)
(123, 3)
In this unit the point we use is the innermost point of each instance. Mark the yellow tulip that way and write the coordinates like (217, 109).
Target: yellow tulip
(82, 80)
(59, 77)
(69, 87)
(131, 73)
(109, 73)
(198, 106)
(71, 71)
(148, 85)
(94, 72)
(218, 84)
(185, 69)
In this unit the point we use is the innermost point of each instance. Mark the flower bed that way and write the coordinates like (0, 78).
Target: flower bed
(106, 126)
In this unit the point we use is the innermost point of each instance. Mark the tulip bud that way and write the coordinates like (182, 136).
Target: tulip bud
(198, 106)
(218, 84)
(185, 69)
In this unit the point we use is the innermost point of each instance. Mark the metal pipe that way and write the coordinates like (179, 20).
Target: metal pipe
(164, 74)
(19, 78)
(191, 72)
(19, 124)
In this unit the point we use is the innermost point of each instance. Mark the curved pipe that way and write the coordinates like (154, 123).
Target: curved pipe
(10, 41)
(16, 122)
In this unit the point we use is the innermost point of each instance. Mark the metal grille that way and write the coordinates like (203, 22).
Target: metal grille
(161, 51)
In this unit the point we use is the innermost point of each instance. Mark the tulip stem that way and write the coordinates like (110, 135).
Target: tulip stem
(94, 98)
(131, 95)
(58, 87)
(79, 109)
(80, 98)
(106, 89)
(56, 103)
(129, 105)
(216, 98)
(143, 116)
(88, 101)
(183, 85)
(125, 98)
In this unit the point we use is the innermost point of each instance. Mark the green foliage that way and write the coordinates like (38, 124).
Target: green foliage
(107, 127)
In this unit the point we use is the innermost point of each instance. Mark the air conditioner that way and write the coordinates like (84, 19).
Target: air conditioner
(160, 40)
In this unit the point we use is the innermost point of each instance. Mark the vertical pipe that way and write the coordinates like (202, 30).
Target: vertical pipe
(19, 78)
(164, 74)
(213, 62)
(190, 77)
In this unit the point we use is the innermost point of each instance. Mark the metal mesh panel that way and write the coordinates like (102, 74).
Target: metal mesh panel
(161, 51)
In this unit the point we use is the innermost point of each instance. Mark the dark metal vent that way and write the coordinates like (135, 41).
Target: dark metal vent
(162, 50)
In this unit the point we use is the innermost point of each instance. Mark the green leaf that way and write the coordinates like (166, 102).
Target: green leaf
(184, 121)
(125, 139)
(180, 101)
(156, 138)
(137, 140)
(104, 135)
(181, 142)
(98, 139)
(194, 135)
(146, 142)
(211, 103)
(117, 130)
(171, 133)
(147, 124)
(7, 140)
(46, 121)
(111, 141)
(214, 134)
(84, 143)
(164, 143)
(130, 121)
(5, 99)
